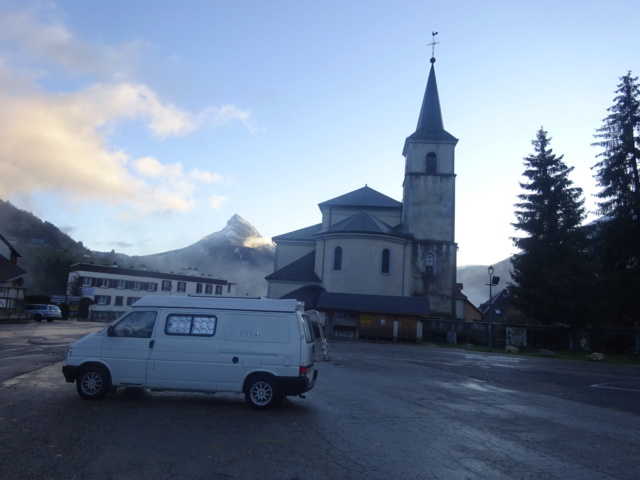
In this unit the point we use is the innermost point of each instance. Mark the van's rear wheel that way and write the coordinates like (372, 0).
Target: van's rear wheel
(261, 393)
(38, 317)
(93, 382)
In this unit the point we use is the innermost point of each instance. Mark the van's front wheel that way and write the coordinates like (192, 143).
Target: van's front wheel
(93, 382)
(261, 392)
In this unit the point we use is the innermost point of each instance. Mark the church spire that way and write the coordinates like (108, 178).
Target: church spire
(430, 118)
(430, 126)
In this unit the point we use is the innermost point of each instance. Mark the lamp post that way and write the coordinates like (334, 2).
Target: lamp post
(493, 281)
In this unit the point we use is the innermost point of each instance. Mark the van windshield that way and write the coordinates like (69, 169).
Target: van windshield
(306, 326)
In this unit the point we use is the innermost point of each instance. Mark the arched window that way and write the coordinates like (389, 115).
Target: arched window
(430, 263)
(432, 163)
(385, 260)
(337, 258)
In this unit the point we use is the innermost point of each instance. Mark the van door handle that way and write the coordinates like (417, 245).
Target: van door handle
(151, 343)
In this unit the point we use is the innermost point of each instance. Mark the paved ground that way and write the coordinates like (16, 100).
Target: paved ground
(379, 411)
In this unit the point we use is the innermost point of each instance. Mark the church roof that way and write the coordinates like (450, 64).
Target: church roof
(308, 294)
(362, 222)
(302, 234)
(363, 197)
(430, 126)
(374, 303)
(301, 270)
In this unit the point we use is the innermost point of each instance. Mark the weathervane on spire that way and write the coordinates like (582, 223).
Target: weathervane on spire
(433, 47)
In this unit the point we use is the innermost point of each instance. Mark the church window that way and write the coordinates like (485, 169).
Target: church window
(337, 258)
(432, 163)
(385, 260)
(430, 263)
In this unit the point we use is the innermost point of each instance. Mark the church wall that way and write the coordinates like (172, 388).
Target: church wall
(440, 285)
(361, 266)
(417, 157)
(279, 289)
(429, 203)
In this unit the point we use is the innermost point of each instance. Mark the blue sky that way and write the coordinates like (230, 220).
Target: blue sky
(144, 126)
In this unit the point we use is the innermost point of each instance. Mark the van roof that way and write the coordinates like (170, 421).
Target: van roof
(220, 303)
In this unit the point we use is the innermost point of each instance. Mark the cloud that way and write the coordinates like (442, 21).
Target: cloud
(257, 242)
(205, 177)
(152, 168)
(38, 36)
(226, 114)
(217, 201)
(59, 142)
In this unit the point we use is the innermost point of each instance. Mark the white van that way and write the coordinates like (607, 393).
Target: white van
(260, 347)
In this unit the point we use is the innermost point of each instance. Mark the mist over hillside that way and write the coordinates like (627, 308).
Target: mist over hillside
(475, 279)
(237, 253)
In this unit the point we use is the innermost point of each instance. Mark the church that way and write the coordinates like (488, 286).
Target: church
(375, 267)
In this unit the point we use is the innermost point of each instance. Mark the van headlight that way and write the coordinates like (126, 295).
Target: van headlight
(70, 351)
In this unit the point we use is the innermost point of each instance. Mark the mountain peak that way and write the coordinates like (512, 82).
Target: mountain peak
(238, 231)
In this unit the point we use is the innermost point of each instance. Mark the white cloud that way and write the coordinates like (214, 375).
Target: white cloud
(256, 242)
(38, 35)
(204, 176)
(152, 168)
(59, 142)
(217, 201)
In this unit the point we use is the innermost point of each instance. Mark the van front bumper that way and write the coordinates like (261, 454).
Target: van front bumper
(291, 386)
(69, 372)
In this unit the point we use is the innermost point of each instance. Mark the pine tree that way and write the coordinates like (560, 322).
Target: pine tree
(618, 233)
(549, 274)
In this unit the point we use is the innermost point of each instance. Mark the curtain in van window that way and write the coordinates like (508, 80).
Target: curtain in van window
(200, 325)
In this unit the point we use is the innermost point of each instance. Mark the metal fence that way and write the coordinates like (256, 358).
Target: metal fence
(556, 338)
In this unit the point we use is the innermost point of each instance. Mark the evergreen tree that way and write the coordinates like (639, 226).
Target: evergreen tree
(550, 273)
(618, 233)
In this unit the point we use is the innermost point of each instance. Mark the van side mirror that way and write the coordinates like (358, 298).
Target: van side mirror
(110, 331)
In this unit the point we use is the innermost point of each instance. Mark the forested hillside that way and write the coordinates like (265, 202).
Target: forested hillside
(46, 251)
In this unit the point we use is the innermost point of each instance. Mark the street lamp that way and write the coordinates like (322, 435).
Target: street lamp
(493, 281)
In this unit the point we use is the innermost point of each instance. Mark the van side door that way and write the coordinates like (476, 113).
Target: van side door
(127, 347)
(185, 352)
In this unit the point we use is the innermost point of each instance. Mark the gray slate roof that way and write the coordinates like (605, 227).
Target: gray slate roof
(308, 294)
(362, 222)
(364, 197)
(305, 234)
(302, 270)
(374, 303)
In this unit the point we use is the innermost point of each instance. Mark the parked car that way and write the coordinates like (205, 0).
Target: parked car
(40, 311)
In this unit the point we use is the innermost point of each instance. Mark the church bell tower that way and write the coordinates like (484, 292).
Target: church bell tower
(429, 205)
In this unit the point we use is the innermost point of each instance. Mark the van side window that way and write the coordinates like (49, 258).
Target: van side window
(196, 325)
(136, 324)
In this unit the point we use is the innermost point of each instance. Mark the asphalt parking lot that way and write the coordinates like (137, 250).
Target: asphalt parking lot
(378, 411)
